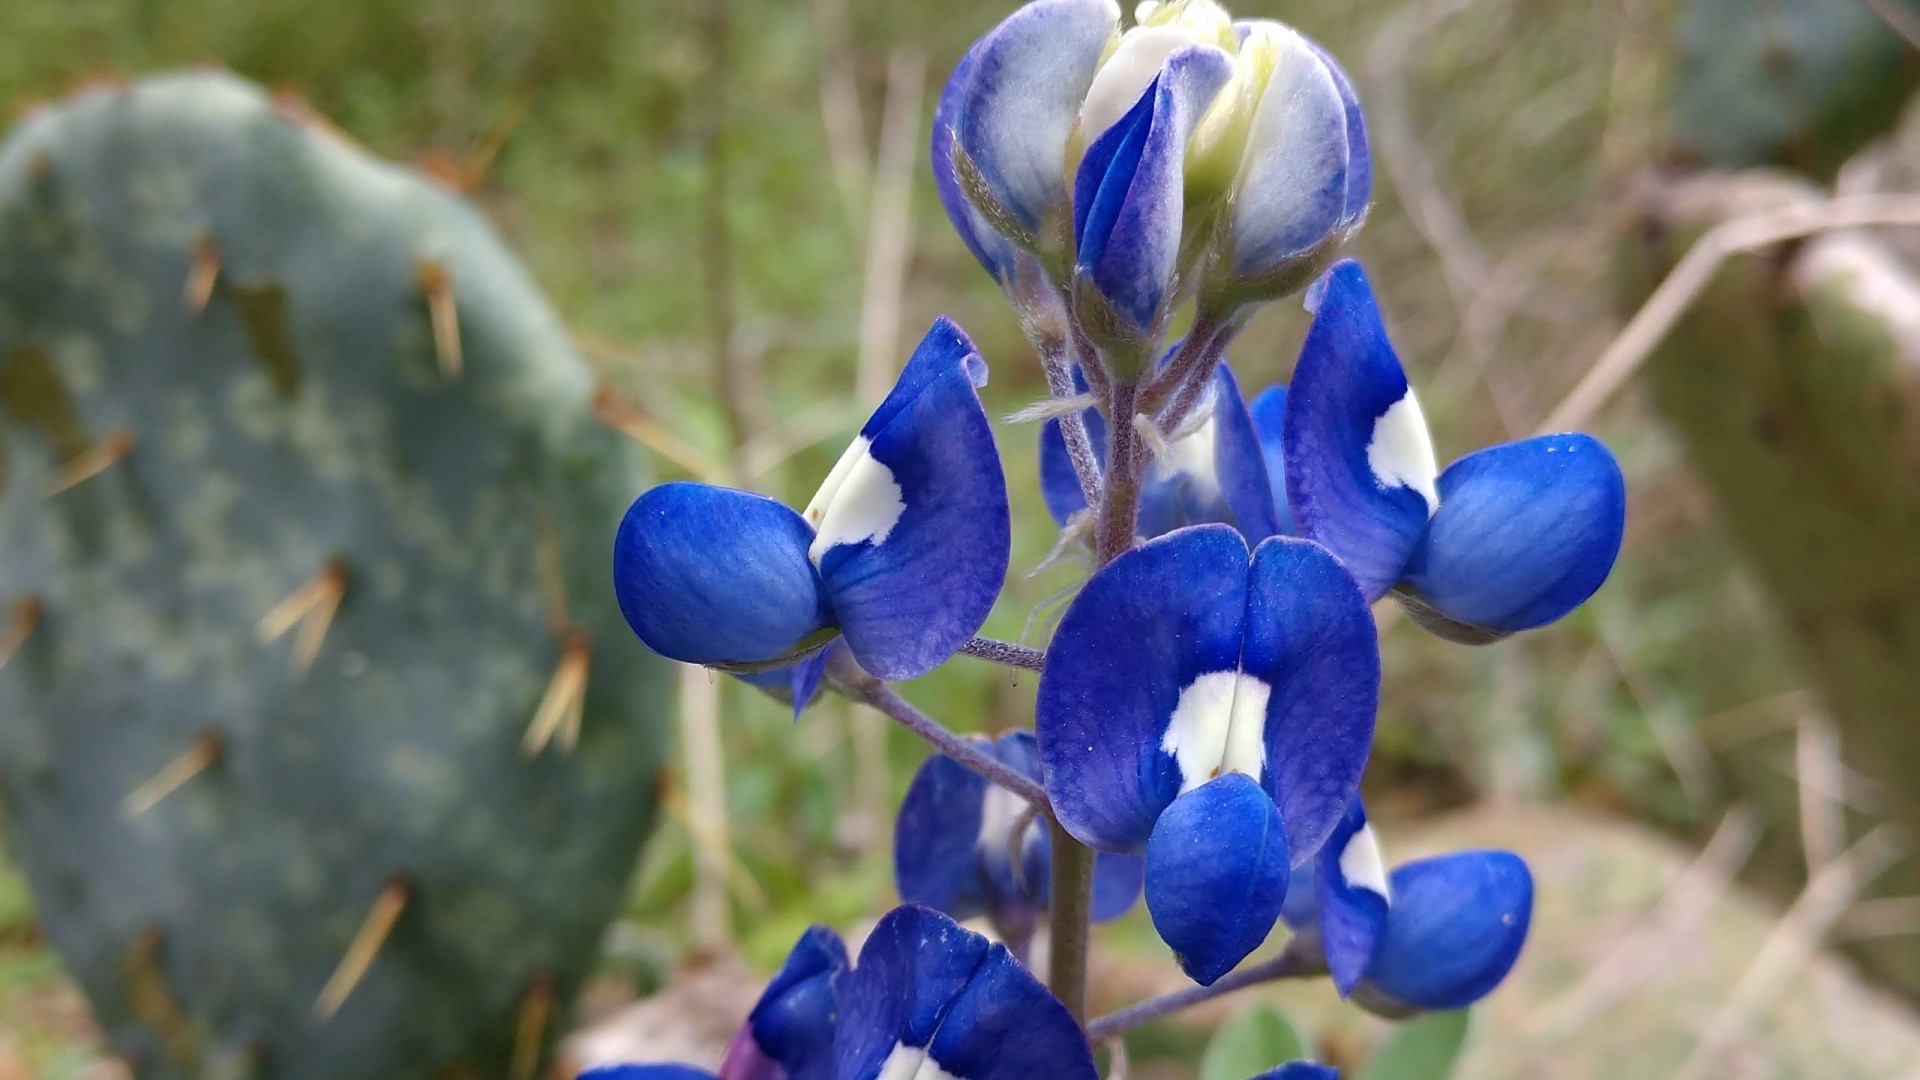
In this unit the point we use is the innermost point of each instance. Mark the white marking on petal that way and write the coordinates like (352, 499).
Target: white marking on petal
(911, 1063)
(998, 811)
(1401, 451)
(1360, 863)
(860, 501)
(1191, 456)
(1218, 726)
(1124, 77)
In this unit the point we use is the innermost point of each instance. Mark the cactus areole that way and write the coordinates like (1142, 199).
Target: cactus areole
(303, 520)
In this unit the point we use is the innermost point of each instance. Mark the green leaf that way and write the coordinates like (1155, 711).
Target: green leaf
(1253, 1042)
(1421, 1049)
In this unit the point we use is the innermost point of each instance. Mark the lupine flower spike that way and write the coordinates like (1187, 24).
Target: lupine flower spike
(788, 1035)
(1214, 472)
(1436, 934)
(1213, 711)
(954, 848)
(1506, 539)
(901, 553)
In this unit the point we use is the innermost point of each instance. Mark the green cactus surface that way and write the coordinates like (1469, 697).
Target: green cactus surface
(304, 519)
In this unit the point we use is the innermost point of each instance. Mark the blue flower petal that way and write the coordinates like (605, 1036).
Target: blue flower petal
(1525, 533)
(796, 684)
(713, 576)
(1351, 897)
(1456, 928)
(1300, 1070)
(1359, 151)
(1239, 461)
(1269, 412)
(646, 1073)
(1006, 1026)
(1217, 871)
(927, 988)
(1311, 641)
(937, 842)
(1129, 192)
(1144, 628)
(1359, 461)
(1302, 910)
(913, 522)
(1292, 192)
(791, 1027)
(911, 968)
(995, 252)
(1117, 881)
(1029, 77)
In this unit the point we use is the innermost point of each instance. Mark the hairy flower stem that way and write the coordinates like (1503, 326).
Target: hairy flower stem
(860, 685)
(1056, 361)
(1183, 382)
(1005, 653)
(1120, 509)
(1288, 965)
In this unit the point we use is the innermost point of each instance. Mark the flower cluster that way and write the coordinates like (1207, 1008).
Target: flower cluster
(1206, 705)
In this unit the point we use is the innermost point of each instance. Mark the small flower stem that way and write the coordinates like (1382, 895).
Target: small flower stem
(1056, 361)
(1120, 509)
(1005, 653)
(1288, 965)
(1186, 377)
(860, 685)
(1069, 920)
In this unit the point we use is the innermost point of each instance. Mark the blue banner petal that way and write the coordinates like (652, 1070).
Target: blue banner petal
(1457, 925)
(1351, 895)
(1525, 533)
(1240, 462)
(1311, 642)
(1359, 461)
(1269, 412)
(1006, 1026)
(1029, 77)
(913, 529)
(1142, 631)
(1129, 192)
(1217, 871)
(937, 838)
(645, 1072)
(713, 576)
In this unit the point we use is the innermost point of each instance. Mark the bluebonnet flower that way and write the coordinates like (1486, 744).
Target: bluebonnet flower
(928, 994)
(788, 1035)
(953, 849)
(901, 553)
(927, 998)
(1214, 711)
(1300, 1070)
(1437, 934)
(1506, 539)
(1215, 471)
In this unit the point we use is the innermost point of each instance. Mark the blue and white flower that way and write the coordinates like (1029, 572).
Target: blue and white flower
(1214, 471)
(790, 1032)
(930, 998)
(1300, 1070)
(1213, 710)
(954, 848)
(1436, 934)
(901, 553)
(1506, 539)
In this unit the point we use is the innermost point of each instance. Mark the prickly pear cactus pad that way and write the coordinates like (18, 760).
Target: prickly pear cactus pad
(322, 742)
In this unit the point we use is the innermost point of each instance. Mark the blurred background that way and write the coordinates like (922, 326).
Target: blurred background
(729, 204)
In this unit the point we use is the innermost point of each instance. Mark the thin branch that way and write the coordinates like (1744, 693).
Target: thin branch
(840, 105)
(854, 681)
(1793, 942)
(1695, 271)
(1288, 965)
(1005, 653)
(1898, 19)
(705, 761)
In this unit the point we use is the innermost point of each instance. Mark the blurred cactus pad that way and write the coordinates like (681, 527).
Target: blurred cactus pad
(323, 746)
